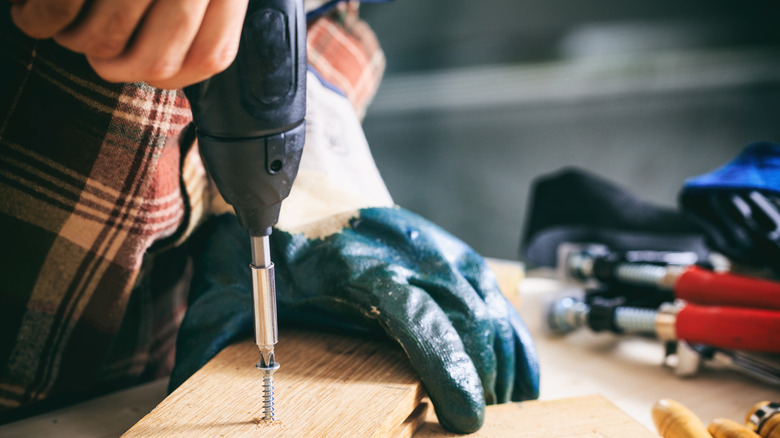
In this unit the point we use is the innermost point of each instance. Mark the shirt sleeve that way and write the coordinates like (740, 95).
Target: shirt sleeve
(99, 183)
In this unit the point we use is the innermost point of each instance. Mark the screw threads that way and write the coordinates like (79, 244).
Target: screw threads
(268, 398)
(635, 320)
(268, 388)
(641, 274)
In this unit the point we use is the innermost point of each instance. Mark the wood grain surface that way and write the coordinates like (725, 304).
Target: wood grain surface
(577, 417)
(328, 385)
(337, 385)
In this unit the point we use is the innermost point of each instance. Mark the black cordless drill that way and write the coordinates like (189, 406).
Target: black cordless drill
(250, 128)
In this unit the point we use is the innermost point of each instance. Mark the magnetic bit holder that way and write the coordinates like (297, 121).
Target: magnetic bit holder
(264, 298)
(266, 332)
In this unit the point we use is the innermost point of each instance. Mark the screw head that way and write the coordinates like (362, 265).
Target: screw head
(269, 369)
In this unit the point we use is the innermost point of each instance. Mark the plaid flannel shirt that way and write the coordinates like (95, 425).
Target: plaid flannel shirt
(101, 185)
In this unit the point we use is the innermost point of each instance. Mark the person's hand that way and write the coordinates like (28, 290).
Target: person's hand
(165, 43)
(345, 256)
(386, 268)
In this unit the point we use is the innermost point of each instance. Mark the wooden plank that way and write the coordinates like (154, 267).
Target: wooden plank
(509, 275)
(582, 417)
(328, 385)
(335, 385)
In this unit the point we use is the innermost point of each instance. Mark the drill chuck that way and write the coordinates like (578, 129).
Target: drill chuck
(254, 175)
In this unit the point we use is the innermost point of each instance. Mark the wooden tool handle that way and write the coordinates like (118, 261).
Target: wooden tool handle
(725, 428)
(771, 429)
(673, 420)
(769, 426)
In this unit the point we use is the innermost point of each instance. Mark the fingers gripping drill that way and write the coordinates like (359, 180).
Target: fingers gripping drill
(250, 128)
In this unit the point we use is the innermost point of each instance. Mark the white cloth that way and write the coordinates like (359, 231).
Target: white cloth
(337, 174)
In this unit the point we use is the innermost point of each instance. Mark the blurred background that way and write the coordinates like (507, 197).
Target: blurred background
(482, 97)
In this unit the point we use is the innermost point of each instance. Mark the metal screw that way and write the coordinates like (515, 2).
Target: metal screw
(268, 388)
(568, 314)
(582, 265)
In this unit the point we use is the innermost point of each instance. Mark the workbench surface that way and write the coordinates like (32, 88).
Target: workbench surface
(626, 371)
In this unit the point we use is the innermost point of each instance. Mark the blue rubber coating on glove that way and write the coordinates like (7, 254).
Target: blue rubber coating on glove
(389, 268)
(757, 167)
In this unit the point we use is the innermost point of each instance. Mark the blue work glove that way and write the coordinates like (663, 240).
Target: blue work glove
(388, 268)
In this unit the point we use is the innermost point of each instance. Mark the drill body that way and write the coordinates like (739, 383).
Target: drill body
(250, 129)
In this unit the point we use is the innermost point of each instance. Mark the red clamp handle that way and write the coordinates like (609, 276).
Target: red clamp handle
(702, 286)
(731, 328)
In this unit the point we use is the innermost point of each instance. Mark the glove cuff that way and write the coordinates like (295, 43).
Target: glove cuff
(337, 175)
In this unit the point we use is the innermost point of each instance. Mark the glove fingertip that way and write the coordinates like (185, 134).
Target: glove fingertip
(436, 351)
(457, 419)
(455, 388)
(450, 379)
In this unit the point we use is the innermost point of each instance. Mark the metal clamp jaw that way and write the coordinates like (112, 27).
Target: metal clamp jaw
(686, 360)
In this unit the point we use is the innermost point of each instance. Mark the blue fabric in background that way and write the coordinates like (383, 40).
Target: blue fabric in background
(756, 168)
(737, 207)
